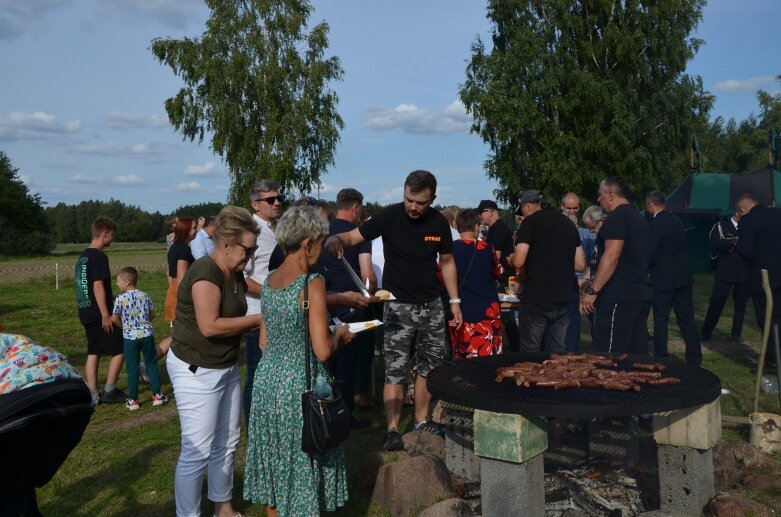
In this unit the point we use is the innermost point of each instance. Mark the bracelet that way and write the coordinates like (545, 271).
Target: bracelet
(455, 300)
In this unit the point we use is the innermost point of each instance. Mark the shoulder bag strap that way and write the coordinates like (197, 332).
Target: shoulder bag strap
(307, 339)
(474, 252)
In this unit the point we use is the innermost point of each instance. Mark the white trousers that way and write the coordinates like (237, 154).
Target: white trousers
(209, 406)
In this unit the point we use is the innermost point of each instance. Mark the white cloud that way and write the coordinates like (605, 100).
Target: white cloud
(413, 119)
(174, 13)
(127, 181)
(207, 169)
(189, 186)
(394, 195)
(751, 84)
(122, 120)
(18, 15)
(81, 178)
(112, 148)
(21, 125)
(26, 179)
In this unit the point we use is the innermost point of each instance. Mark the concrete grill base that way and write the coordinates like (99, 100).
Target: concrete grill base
(685, 479)
(511, 489)
(513, 483)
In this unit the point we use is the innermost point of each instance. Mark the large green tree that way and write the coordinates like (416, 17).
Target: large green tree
(24, 228)
(258, 83)
(733, 146)
(572, 91)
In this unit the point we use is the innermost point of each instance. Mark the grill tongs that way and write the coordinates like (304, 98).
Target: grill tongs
(356, 279)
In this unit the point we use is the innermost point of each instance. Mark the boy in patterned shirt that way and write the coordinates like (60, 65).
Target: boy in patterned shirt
(134, 312)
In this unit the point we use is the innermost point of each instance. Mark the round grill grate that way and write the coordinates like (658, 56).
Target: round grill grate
(471, 383)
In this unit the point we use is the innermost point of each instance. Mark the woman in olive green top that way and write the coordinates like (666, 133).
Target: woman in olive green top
(202, 363)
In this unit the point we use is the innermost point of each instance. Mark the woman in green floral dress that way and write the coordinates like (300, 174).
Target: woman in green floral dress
(278, 473)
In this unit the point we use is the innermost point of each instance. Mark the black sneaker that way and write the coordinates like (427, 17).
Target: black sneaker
(393, 441)
(116, 396)
(432, 427)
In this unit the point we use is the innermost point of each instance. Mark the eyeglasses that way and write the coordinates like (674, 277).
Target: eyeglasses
(248, 250)
(271, 199)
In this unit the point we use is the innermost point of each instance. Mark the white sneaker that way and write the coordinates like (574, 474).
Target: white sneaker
(132, 404)
(159, 399)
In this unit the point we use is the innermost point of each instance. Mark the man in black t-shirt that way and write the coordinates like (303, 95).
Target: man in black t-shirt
(548, 249)
(500, 236)
(620, 295)
(95, 302)
(412, 236)
(345, 300)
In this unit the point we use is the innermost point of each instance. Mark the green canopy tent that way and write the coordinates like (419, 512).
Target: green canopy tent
(704, 198)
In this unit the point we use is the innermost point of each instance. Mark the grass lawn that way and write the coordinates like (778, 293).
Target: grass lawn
(125, 463)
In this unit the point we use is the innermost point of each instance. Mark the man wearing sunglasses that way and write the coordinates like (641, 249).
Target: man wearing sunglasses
(267, 207)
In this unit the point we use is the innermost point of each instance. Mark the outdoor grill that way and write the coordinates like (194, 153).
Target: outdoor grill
(471, 383)
(507, 433)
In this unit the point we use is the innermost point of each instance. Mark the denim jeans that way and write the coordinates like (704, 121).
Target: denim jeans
(543, 327)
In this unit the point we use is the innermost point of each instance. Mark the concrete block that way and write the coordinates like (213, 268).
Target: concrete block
(460, 457)
(685, 479)
(615, 440)
(512, 489)
(697, 427)
(508, 437)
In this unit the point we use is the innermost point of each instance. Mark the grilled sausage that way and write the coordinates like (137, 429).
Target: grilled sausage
(665, 381)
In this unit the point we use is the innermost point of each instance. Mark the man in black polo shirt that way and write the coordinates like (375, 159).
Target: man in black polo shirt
(345, 301)
(548, 249)
(412, 236)
(500, 236)
(620, 294)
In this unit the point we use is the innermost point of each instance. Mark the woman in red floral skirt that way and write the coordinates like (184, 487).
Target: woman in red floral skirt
(478, 269)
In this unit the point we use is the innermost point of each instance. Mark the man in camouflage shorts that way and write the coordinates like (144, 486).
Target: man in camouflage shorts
(413, 236)
(407, 323)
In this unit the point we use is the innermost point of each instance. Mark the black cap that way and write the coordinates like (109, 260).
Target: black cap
(530, 196)
(487, 204)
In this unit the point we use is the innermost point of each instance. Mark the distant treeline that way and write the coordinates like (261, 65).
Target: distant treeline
(71, 223)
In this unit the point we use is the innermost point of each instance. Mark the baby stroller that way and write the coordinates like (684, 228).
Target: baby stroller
(39, 427)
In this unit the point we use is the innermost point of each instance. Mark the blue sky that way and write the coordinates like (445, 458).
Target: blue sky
(81, 96)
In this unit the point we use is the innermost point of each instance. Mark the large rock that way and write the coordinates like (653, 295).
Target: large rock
(409, 485)
(730, 461)
(729, 505)
(449, 508)
(762, 481)
(732, 455)
(371, 463)
(424, 443)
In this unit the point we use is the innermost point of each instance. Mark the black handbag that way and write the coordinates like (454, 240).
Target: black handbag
(326, 421)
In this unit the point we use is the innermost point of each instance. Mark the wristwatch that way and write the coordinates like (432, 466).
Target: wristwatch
(591, 292)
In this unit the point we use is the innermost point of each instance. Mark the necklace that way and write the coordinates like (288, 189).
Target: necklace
(234, 285)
